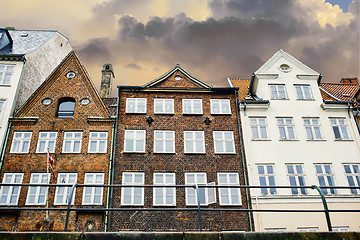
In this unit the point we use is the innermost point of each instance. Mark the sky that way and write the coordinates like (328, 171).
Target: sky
(211, 39)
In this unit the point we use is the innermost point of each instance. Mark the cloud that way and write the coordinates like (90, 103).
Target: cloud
(133, 66)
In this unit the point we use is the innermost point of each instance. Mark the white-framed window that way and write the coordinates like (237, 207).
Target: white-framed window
(98, 142)
(21, 142)
(132, 195)
(135, 105)
(205, 197)
(340, 128)
(163, 106)
(267, 178)
(93, 195)
(9, 195)
(72, 142)
(308, 229)
(229, 196)
(164, 196)
(164, 141)
(135, 141)
(220, 106)
(303, 92)
(286, 128)
(258, 128)
(6, 72)
(62, 193)
(340, 229)
(325, 177)
(46, 141)
(194, 142)
(37, 195)
(275, 229)
(2, 106)
(352, 173)
(224, 142)
(278, 91)
(312, 127)
(296, 176)
(192, 106)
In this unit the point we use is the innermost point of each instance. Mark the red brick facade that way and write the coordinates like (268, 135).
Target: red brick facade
(178, 162)
(34, 117)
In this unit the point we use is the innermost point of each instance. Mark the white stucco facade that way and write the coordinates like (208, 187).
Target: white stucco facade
(34, 55)
(280, 151)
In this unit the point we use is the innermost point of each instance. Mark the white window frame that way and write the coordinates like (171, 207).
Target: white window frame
(326, 176)
(12, 191)
(72, 141)
(5, 72)
(66, 193)
(259, 127)
(340, 229)
(313, 128)
(295, 177)
(93, 189)
(224, 142)
(267, 176)
(230, 192)
(163, 192)
(353, 175)
(132, 189)
(301, 92)
(275, 89)
(307, 229)
(47, 142)
(193, 140)
(38, 189)
(224, 106)
(286, 128)
(136, 102)
(275, 229)
(192, 106)
(341, 127)
(192, 191)
(2, 106)
(20, 139)
(136, 141)
(163, 141)
(95, 137)
(165, 109)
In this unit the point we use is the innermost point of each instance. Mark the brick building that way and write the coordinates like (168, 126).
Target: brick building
(66, 116)
(178, 130)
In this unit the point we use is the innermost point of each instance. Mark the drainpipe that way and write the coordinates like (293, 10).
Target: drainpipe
(243, 159)
(4, 146)
(114, 158)
(356, 121)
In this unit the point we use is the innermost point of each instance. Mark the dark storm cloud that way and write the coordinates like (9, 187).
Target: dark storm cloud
(133, 66)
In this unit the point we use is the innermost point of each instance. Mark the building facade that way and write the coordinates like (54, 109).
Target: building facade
(293, 137)
(26, 60)
(178, 130)
(66, 117)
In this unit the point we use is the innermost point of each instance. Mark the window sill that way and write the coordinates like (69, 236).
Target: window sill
(311, 100)
(231, 205)
(289, 140)
(135, 152)
(279, 99)
(221, 114)
(18, 153)
(131, 205)
(44, 152)
(194, 153)
(260, 140)
(164, 113)
(344, 140)
(164, 153)
(71, 153)
(161, 205)
(316, 140)
(135, 113)
(96, 153)
(193, 114)
(230, 153)
(5, 85)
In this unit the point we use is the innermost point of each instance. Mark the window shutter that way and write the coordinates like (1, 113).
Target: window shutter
(211, 193)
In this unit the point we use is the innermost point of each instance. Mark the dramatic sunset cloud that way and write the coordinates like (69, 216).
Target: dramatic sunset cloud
(212, 39)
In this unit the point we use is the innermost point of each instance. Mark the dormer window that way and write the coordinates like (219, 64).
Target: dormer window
(66, 107)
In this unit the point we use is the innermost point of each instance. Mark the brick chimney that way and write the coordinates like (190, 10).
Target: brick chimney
(106, 77)
(349, 81)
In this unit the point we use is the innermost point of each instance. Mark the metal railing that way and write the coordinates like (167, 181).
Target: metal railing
(198, 209)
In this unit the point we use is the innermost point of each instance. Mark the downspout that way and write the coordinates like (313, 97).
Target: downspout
(356, 120)
(109, 179)
(114, 158)
(4, 146)
(243, 159)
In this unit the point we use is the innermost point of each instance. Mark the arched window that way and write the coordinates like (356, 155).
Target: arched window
(66, 108)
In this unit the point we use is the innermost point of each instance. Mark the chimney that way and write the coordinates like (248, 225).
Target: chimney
(107, 73)
(349, 81)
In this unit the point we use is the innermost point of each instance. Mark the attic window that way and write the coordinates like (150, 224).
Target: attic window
(66, 108)
(24, 35)
(70, 75)
(345, 95)
(285, 68)
(177, 77)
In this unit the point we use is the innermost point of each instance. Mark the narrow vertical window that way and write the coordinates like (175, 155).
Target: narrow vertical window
(224, 142)
(220, 106)
(66, 107)
(37, 195)
(98, 142)
(136, 105)
(9, 195)
(312, 127)
(72, 142)
(93, 195)
(352, 173)
(296, 178)
(62, 193)
(46, 141)
(135, 141)
(229, 196)
(2, 107)
(286, 128)
(164, 196)
(277, 91)
(267, 178)
(21, 142)
(340, 128)
(132, 195)
(303, 92)
(194, 142)
(6, 71)
(163, 106)
(258, 128)
(325, 177)
(191, 196)
(164, 141)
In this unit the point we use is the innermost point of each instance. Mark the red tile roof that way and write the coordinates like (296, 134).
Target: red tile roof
(339, 92)
(243, 85)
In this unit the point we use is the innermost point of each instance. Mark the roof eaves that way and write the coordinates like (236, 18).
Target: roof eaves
(331, 95)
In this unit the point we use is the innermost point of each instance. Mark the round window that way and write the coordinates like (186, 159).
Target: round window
(178, 77)
(285, 68)
(46, 101)
(70, 75)
(85, 101)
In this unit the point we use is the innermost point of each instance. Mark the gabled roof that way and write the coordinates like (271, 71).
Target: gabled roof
(282, 54)
(177, 67)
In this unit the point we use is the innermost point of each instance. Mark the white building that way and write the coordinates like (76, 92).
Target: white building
(26, 59)
(292, 137)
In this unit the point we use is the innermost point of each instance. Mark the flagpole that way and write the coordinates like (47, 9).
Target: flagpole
(47, 190)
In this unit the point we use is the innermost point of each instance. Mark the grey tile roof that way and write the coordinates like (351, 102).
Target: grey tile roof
(26, 41)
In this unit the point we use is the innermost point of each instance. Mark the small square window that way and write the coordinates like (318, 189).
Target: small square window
(220, 106)
(163, 106)
(229, 196)
(21, 142)
(136, 105)
(224, 142)
(72, 142)
(9, 195)
(164, 141)
(6, 72)
(194, 142)
(278, 91)
(135, 141)
(98, 142)
(192, 106)
(303, 92)
(46, 141)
